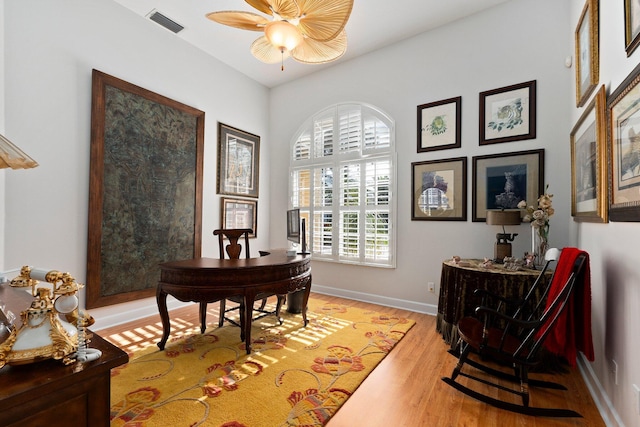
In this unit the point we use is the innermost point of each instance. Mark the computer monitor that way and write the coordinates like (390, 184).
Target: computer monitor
(293, 225)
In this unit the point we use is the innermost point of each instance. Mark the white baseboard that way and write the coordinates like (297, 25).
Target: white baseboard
(418, 307)
(605, 407)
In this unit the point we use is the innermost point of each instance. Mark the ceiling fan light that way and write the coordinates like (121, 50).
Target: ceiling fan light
(283, 35)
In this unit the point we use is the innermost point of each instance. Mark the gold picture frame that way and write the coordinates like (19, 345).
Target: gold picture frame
(589, 201)
(587, 52)
(631, 25)
(623, 141)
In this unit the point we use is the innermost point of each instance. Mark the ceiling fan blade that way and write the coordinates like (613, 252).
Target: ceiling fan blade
(261, 5)
(315, 52)
(266, 52)
(287, 9)
(243, 20)
(322, 20)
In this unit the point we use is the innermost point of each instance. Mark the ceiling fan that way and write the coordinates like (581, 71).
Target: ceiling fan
(310, 31)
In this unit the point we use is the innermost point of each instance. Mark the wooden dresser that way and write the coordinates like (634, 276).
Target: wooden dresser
(48, 393)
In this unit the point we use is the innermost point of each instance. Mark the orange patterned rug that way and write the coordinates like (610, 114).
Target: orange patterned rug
(295, 376)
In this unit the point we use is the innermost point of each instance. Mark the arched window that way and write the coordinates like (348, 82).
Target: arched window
(343, 180)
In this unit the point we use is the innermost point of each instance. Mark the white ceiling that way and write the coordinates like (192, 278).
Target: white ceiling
(373, 24)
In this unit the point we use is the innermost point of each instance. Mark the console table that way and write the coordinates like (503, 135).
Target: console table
(458, 281)
(49, 393)
(206, 280)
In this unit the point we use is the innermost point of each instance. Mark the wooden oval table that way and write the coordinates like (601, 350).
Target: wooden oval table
(206, 280)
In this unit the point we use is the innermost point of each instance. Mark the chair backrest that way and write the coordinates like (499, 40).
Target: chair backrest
(550, 257)
(233, 249)
(562, 288)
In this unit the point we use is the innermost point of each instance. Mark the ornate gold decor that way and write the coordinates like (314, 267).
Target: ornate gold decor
(44, 334)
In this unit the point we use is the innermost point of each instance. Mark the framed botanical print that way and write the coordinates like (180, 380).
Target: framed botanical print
(508, 113)
(439, 125)
(623, 116)
(501, 181)
(238, 162)
(589, 162)
(439, 190)
(239, 213)
(631, 25)
(587, 55)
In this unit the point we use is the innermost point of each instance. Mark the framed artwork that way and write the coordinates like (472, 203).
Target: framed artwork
(501, 181)
(239, 213)
(439, 125)
(238, 162)
(589, 162)
(623, 108)
(587, 56)
(145, 189)
(631, 25)
(439, 190)
(508, 113)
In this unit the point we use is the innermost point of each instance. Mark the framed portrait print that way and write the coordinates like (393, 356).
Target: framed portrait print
(631, 25)
(501, 181)
(508, 113)
(623, 108)
(587, 55)
(145, 189)
(439, 125)
(589, 163)
(439, 190)
(238, 162)
(239, 213)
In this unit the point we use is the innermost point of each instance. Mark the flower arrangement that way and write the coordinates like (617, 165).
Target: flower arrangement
(539, 219)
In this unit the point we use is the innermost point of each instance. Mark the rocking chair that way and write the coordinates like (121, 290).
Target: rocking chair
(519, 342)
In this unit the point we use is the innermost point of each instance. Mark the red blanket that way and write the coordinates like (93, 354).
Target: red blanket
(572, 331)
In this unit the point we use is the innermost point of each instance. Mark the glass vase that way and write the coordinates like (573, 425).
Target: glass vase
(539, 247)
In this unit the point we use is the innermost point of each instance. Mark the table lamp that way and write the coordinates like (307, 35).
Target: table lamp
(502, 246)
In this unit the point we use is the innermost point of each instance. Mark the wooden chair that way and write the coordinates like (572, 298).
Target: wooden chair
(233, 250)
(519, 342)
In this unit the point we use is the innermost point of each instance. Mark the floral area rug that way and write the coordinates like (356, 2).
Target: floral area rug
(295, 376)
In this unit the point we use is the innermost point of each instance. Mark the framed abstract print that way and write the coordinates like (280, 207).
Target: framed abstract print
(145, 189)
(239, 213)
(589, 163)
(439, 125)
(238, 162)
(508, 113)
(439, 190)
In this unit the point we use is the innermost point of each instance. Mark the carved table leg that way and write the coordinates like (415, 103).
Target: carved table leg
(203, 317)
(245, 320)
(307, 292)
(161, 298)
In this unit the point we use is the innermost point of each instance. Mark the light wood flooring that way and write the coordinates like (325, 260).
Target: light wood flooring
(405, 389)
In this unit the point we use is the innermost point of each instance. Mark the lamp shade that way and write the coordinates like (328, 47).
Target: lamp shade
(13, 157)
(282, 35)
(503, 217)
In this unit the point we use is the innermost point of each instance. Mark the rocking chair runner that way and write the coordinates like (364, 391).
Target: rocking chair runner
(233, 250)
(520, 341)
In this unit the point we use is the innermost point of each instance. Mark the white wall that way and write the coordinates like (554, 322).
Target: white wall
(493, 49)
(51, 48)
(614, 256)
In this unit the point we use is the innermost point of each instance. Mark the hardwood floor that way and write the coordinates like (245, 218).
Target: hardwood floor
(405, 389)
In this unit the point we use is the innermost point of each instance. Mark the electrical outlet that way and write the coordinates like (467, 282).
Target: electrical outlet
(614, 371)
(432, 286)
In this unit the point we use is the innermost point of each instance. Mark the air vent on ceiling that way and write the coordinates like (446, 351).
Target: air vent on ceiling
(169, 24)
